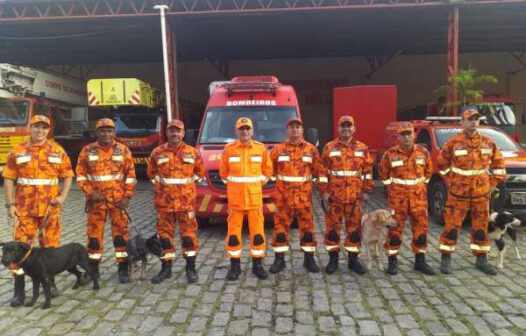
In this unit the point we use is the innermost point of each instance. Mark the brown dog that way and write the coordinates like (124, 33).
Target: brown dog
(374, 230)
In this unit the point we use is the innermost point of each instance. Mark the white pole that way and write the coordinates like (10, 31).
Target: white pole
(162, 9)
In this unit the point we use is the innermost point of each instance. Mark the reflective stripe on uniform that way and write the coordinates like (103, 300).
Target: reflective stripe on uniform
(246, 179)
(308, 248)
(81, 178)
(499, 171)
(352, 249)
(257, 252)
(421, 251)
(18, 271)
(167, 180)
(367, 176)
(472, 172)
(387, 182)
(392, 252)
(190, 253)
(121, 254)
(130, 180)
(480, 248)
(445, 171)
(345, 173)
(96, 256)
(280, 249)
(168, 255)
(409, 182)
(294, 178)
(235, 253)
(36, 182)
(323, 179)
(449, 248)
(104, 178)
(331, 247)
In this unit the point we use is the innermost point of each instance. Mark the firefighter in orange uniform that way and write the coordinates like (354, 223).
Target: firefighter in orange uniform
(106, 174)
(474, 166)
(295, 161)
(349, 169)
(174, 167)
(37, 166)
(245, 167)
(405, 169)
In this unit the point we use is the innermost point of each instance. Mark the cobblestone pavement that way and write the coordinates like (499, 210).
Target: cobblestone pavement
(292, 302)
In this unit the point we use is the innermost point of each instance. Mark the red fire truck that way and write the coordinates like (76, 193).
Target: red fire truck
(264, 100)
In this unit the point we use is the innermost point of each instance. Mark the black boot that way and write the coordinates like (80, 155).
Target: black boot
(165, 273)
(392, 266)
(20, 291)
(355, 264)
(124, 272)
(191, 274)
(445, 263)
(332, 266)
(421, 264)
(235, 270)
(257, 268)
(279, 263)
(309, 263)
(483, 266)
(53, 287)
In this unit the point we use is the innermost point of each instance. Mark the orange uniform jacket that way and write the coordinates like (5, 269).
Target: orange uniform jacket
(295, 166)
(474, 165)
(107, 170)
(37, 169)
(245, 169)
(349, 170)
(174, 172)
(406, 174)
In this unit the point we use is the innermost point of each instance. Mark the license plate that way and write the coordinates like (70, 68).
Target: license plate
(517, 199)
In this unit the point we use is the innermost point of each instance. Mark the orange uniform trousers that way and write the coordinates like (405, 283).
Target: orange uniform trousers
(454, 214)
(234, 241)
(351, 213)
(282, 222)
(418, 219)
(187, 231)
(119, 231)
(28, 227)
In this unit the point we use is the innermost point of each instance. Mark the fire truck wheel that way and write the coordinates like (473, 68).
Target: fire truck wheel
(437, 202)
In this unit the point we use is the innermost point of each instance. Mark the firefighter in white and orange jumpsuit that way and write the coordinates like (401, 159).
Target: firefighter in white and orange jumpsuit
(106, 174)
(474, 166)
(174, 167)
(405, 170)
(245, 167)
(35, 204)
(349, 169)
(296, 163)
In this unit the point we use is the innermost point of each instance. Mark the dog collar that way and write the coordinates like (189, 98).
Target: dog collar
(17, 265)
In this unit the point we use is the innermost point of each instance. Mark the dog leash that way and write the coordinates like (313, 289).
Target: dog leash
(87, 208)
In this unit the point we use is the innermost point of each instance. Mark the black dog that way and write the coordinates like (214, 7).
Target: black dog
(138, 249)
(500, 223)
(41, 264)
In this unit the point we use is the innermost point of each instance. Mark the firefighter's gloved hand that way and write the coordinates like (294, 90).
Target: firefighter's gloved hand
(96, 196)
(124, 203)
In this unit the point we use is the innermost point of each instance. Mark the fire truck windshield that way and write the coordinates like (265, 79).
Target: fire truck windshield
(269, 123)
(13, 112)
(137, 124)
(503, 142)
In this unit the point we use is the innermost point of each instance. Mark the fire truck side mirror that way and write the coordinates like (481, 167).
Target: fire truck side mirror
(312, 136)
(190, 136)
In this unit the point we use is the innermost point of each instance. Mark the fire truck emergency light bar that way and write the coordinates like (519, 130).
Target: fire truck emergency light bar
(252, 84)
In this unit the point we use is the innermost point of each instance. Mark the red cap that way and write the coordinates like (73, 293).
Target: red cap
(294, 120)
(470, 112)
(40, 118)
(344, 119)
(176, 123)
(104, 122)
(406, 127)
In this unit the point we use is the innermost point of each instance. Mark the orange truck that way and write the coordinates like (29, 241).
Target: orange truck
(264, 100)
(433, 134)
(25, 92)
